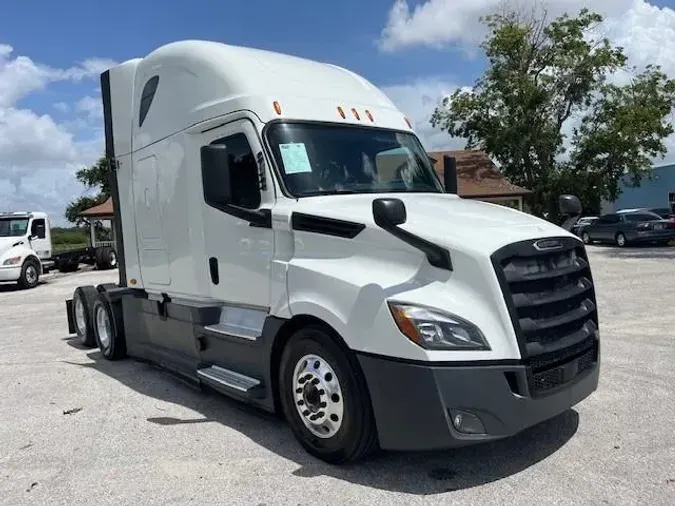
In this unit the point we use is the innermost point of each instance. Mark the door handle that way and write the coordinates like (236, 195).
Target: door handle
(213, 269)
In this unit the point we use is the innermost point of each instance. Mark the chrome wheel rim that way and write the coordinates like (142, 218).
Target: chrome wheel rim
(113, 259)
(103, 326)
(318, 396)
(621, 239)
(585, 238)
(31, 274)
(80, 319)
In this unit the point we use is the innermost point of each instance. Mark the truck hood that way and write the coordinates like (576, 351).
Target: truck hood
(6, 243)
(444, 219)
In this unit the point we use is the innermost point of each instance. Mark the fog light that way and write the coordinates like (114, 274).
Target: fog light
(467, 423)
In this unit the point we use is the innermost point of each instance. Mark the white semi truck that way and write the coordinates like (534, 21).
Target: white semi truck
(284, 239)
(25, 247)
(26, 250)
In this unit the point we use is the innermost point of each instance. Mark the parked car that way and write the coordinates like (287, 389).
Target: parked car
(586, 220)
(664, 212)
(622, 228)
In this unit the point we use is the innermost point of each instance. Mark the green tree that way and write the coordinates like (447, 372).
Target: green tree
(94, 177)
(545, 78)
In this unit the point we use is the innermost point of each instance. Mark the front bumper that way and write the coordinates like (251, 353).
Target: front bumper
(413, 402)
(12, 273)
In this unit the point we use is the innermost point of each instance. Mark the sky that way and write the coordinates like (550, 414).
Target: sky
(416, 51)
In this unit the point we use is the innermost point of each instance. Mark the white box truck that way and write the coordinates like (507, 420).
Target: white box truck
(283, 239)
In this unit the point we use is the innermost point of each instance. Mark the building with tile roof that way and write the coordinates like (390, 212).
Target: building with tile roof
(479, 178)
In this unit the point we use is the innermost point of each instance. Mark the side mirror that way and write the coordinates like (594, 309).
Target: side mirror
(569, 205)
(216, 177)
(450, 174)
(389, 213)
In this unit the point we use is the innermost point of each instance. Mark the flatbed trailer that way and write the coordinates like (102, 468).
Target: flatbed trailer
(102, 257)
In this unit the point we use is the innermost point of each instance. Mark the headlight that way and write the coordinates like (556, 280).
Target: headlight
(433, 329)
(12, 261)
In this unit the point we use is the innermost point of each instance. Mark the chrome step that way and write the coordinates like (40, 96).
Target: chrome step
(232, 330)
(231, 380)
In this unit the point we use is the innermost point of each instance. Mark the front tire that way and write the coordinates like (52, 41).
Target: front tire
(109, 329)
(586, 238)
(30, 274)
(324, 398)
(620, 240)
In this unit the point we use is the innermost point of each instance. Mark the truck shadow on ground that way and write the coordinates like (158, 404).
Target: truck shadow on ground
(420, 473)
(14, 287)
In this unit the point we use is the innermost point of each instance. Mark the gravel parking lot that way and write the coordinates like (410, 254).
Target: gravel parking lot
(75, 429)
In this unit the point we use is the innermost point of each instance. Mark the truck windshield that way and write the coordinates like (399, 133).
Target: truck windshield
(321, 159)
(15, 227)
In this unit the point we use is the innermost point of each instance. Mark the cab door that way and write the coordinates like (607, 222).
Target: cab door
(40, 239)
(240, 244)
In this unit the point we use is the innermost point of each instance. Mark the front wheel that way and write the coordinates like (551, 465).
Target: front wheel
(620, 240)
(324, 399)
(30, 274)
(586, 238)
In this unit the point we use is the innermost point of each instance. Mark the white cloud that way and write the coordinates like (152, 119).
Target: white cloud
(418, 100)
(443, 23)
(61, 107)
(92, 107)
(27, 139)
(646, 32)
(39, 156)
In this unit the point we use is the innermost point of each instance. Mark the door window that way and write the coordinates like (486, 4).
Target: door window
(244, 170)
(609, 219)
(38, 229)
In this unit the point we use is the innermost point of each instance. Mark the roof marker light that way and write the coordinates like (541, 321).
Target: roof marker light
(342, 113)
(277, 107)
(356, 114)
(370, 116)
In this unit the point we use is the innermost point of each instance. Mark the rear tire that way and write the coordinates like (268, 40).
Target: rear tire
(30, 274)
(83, 303)
(109, 328)
(106, 258)
(324, 398)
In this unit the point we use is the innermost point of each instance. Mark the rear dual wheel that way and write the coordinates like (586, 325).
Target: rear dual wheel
(106, 258)
(83, 303)
(108, 328)
(324, 398)
(98, 322)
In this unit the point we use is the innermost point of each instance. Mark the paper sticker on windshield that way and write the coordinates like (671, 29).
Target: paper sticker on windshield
(295, 158)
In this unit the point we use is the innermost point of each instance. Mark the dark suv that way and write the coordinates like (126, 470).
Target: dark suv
(629, 227)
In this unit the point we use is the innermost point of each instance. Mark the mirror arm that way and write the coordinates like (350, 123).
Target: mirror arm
(261, 218)
(436, 255)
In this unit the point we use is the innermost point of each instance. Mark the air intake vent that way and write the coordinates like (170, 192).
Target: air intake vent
(550, 296)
